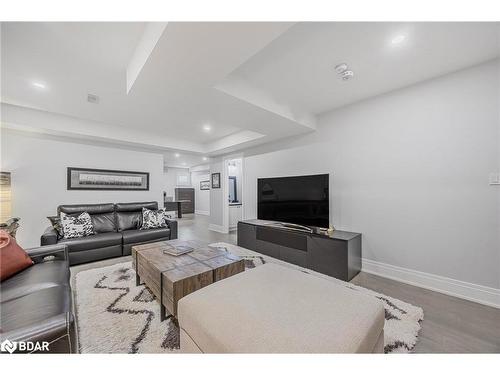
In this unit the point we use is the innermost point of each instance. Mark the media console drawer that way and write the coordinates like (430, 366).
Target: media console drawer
(282, 237)
(328, 257)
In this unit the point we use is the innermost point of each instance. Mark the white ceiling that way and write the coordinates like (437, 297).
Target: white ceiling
(298, 67)
(251, 82)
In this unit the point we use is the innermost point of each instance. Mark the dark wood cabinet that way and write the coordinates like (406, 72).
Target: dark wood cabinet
(186, 196)
(337, 254)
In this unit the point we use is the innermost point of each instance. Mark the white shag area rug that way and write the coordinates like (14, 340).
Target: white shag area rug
(116, 316)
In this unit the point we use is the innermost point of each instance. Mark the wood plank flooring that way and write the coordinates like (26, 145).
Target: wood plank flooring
(451, 325)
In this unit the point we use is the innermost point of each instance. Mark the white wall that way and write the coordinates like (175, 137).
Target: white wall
(216, 197)
(202, 197)
(171, 177)
(38, 169)
(409, 170)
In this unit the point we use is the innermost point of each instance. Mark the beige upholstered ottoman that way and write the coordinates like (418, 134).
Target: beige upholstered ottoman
(275, 309)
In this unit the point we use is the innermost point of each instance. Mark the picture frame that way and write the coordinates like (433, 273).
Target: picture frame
(205, 185)
(106, 179)
(215, 180)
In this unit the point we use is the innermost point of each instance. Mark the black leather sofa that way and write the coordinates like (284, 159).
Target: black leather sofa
(117, 230)
(36, 303)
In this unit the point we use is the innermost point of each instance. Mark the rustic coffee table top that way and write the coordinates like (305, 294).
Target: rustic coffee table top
(202, 253)
(171, 277)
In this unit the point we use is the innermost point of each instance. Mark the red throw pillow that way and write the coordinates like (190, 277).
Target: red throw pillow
(13, 258)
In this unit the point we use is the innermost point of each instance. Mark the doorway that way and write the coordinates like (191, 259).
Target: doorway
(233, 203)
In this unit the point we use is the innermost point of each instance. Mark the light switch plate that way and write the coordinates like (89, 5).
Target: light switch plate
(495, 178)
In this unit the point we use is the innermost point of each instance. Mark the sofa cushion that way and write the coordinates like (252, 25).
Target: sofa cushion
(95, 241)
(41, 276)
(136, 206)
(104, 223)
(92, 209)
(102, 214)
(137, 236)
(129, 215)
(13, 258)
(129, 220)
(272, 309)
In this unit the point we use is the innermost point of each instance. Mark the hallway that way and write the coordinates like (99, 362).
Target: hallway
(193, 226)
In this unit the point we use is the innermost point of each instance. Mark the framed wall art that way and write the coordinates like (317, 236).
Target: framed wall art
(105, 179)
(215, 180)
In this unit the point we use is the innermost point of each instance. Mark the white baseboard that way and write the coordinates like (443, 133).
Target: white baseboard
(461, 289)
(199, 212)
(217, 228)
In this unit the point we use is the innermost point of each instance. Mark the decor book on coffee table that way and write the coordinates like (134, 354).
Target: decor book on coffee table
(171, 277)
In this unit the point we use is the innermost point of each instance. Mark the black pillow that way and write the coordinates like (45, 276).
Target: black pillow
(55, 221)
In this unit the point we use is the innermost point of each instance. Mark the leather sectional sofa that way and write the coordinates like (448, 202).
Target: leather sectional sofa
(36, 303)
(117, 230)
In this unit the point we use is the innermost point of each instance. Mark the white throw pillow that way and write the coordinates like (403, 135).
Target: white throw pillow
(75, 227)
(153, 218)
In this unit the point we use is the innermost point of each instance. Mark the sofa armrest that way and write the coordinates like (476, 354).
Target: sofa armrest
(172, 224)
(49, 237)
(40, 254)
(57, 330)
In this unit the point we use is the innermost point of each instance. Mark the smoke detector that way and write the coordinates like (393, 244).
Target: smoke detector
(91, 98)
(348, 74)
(341, 68)
(344, 72)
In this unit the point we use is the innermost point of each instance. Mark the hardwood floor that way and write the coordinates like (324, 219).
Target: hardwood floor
(196, 227)
(451, 325)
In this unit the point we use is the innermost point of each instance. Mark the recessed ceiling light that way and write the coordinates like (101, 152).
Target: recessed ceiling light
(39, 85)
(92, 98)
(177, 155)
(398, 39)
(207, 127)
(205, 158)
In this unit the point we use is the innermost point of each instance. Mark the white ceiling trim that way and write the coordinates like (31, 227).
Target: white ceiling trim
(237, 139)
(150, 37)
(36, 121)
(46, 123)
(243, 90)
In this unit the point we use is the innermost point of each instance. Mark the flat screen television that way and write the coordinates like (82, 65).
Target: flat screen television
(302, 200)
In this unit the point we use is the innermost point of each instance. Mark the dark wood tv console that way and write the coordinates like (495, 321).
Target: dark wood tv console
(337, 254)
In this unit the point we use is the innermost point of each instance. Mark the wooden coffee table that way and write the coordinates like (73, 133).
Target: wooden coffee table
(171, 277)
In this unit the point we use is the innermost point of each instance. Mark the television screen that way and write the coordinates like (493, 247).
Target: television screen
(299, 200)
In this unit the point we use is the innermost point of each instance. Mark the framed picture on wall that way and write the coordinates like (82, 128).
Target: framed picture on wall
(204, 185)
(215, 180)
(105, 179)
